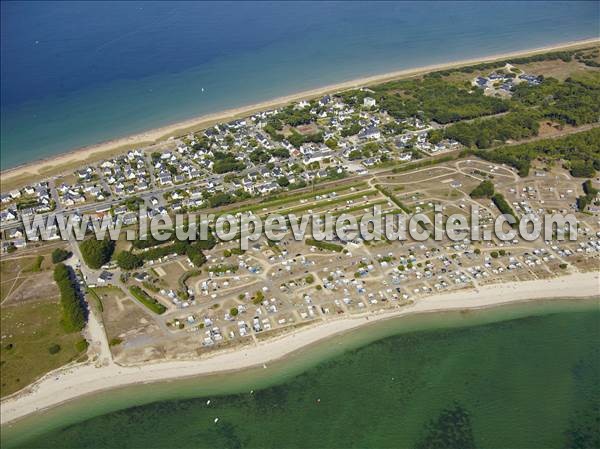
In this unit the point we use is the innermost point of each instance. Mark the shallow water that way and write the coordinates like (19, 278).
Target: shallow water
(526, 376)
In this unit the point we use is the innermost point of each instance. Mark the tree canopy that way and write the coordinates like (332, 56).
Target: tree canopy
(73, 312)
(96, 252)
(59, 255)
(126, 260)
(483, 190)
(581, 152)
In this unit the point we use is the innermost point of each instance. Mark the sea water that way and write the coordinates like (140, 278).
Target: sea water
(525, 375)
(79, 73)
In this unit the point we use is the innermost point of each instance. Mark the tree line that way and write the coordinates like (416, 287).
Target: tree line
(580, 153)
(73, 311)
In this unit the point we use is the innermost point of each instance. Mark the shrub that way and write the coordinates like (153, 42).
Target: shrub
(115, 341)
(81, 345)
(54, 349)
(59, 255)
(494, 254)
(233, 311)
(324, 245)
(36, 266)
(258, 297)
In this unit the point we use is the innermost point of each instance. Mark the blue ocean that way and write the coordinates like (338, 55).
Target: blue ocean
(79, 73)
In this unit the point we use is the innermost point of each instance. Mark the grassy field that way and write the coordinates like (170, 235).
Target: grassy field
(328, 203)
(20, 272)
(292, 199)
(101, 293)
(29, 330)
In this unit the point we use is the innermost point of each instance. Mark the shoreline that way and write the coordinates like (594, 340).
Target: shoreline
(52, 165)
(83, 380)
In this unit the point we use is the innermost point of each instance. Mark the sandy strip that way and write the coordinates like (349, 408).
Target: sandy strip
(51, 165)
(86, 379)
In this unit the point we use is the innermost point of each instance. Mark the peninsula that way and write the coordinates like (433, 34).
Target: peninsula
(513, 134)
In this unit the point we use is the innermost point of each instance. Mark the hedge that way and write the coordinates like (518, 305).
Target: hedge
(504, 207)
(147, 300)
(325, 245)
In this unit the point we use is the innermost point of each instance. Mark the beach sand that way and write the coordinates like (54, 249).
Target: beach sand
(73, 382)
(60, 163)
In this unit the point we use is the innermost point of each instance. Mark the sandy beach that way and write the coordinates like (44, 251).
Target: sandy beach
(72, 159)
(73, 382)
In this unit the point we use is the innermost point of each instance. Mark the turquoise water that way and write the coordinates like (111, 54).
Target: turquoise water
(78, 73)
(525, 376)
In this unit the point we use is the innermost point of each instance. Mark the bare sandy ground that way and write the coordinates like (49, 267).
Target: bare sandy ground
(52, 165)
(70, 383)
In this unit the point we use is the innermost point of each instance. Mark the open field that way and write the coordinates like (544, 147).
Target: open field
(29, 330)
(25, 278)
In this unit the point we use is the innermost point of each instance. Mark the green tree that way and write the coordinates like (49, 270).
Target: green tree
(54, 349)
(127, 260)
(59, 255)
(331, 143)
(96, 252)
(196, 255)
(73, 312)
(283, 181)
(483, 190)
(355, 154)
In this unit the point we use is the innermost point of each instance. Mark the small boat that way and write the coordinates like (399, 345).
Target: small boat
(216, 420)
(208, 402)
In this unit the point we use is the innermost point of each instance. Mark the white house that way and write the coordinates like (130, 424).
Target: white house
(369, 102)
